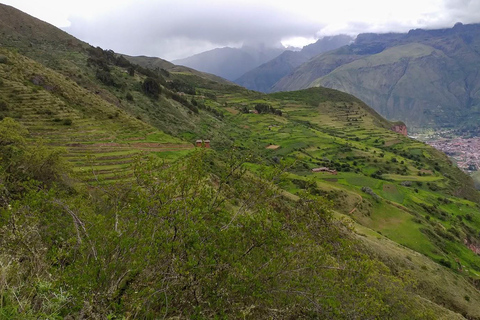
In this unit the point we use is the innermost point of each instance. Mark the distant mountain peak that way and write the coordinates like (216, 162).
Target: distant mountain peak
(266, 75)
(230, 63)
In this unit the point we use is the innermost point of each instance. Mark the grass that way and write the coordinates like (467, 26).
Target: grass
(93, 134)
(320, 127)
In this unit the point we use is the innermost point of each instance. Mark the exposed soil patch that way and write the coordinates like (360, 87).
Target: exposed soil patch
(136, 138)
(231, 110)
(273, 147)
(391, 143)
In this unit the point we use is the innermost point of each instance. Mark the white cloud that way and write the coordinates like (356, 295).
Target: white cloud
(176, 28)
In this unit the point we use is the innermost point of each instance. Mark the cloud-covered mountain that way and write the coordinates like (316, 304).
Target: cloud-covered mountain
(427, 78)
(231, 63)
(265, 76)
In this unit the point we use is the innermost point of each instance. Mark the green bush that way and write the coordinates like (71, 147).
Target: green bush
(151, 87)
(3, 106)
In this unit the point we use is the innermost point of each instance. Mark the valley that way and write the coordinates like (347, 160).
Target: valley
(465, 152)
(109, 209)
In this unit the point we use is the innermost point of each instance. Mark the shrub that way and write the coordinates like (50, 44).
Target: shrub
(151, 87)
(105, 77)
(369, 191)
(67, 122)
(445, 263)
(3, 106)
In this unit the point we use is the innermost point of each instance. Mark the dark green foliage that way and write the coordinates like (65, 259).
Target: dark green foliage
(165, 73)
(445, 263)
(180, 86)
(263, 108)
(131, 71)
(211, 95)
(266, 108)
(129, 96)
(105, 77)
(3, 106)
(67, 122)
(122, 62)
(151, 87)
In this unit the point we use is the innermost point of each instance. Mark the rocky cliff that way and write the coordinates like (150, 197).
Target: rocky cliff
(400, 128)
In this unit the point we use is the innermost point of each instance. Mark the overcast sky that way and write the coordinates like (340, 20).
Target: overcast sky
(173, 29)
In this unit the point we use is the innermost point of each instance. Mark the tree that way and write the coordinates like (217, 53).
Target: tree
(151, 87)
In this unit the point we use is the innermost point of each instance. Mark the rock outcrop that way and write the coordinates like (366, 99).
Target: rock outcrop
(400, 128)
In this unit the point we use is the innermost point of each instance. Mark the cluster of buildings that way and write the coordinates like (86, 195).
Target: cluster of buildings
(465, 152)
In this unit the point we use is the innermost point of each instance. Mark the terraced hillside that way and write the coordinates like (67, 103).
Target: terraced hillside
(100, 139)
(398, 191)
(292, 177)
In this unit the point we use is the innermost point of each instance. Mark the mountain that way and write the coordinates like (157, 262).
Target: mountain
(424, 77)
(308, 204)
(266, 75)
(230, 63)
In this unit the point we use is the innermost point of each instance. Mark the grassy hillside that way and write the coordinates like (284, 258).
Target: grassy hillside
(246, 229)
(101, 140)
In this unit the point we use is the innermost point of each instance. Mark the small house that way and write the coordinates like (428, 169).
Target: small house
(202, 143)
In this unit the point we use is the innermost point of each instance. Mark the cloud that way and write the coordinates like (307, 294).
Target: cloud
(180, 28)
(465, 11)
(175, 29)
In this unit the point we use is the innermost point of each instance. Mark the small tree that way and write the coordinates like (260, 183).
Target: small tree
(151, 87)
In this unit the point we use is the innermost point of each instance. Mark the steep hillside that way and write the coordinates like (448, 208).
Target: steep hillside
(101, 140)
(394, 186)
(230, 63)
(22, 31)
(265, 76)
(423, 77)
(113, 78)
(307, 205)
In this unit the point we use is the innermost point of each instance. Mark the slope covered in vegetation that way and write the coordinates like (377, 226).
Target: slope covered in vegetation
(385, 227)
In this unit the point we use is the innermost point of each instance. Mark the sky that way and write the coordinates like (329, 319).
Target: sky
(174, 29)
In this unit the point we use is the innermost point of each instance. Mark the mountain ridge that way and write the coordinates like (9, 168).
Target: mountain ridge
(447, 69)
(230, 63)
(266, 75)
